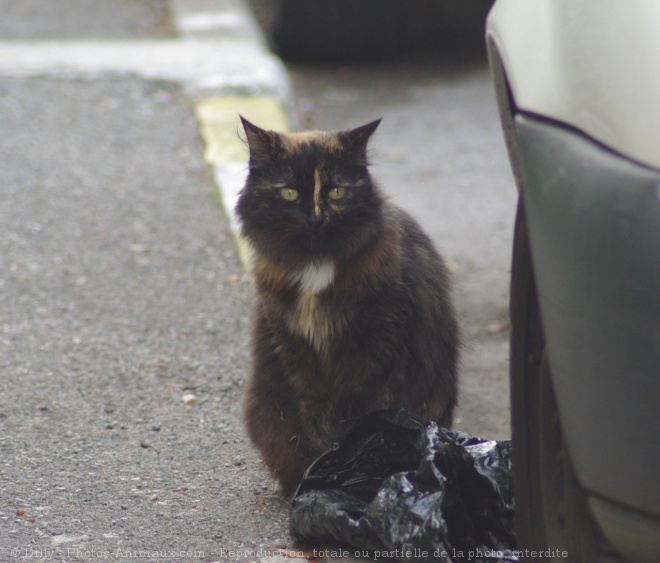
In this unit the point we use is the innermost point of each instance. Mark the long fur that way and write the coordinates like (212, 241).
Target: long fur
(352, 309)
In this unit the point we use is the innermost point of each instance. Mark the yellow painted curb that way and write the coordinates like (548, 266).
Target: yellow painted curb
(221, 129)
(220, 124)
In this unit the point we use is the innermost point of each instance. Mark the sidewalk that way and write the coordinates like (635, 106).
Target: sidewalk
(219, 58)
(123, 306)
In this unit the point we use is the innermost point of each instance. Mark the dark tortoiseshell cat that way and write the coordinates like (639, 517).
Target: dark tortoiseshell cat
(352, 309)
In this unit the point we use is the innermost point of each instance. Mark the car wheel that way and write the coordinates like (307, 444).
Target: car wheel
(318, 30)
(552, 514)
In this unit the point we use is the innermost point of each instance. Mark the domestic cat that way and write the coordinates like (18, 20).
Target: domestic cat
(352, 305)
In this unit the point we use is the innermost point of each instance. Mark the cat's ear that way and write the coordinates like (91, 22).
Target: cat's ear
(260, 142)
(361, 134)
(356, 140)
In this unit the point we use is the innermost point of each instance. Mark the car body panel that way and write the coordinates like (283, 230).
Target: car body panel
(592, 64)
(594, 227)
(578, 87)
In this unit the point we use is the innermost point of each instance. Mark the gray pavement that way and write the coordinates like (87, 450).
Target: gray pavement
(121, 293)
(94, 19)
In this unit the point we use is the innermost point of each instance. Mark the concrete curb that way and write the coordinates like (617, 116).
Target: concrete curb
(205, 67)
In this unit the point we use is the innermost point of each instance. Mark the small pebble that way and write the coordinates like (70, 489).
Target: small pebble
(189, 399)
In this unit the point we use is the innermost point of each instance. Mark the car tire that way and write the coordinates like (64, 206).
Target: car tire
(318, 30)
(552, 514)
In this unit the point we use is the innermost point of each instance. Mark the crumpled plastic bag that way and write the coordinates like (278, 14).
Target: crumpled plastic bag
(406, 489)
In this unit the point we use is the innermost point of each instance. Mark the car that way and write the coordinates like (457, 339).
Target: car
(578, 89)
(343, 31)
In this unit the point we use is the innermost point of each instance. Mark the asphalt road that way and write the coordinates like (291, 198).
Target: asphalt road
(120, 293)
(78, 19)
(121, 290)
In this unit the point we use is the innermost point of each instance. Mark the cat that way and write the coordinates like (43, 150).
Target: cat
(352, 308)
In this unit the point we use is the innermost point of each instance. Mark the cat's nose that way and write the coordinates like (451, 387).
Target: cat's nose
(317, 220)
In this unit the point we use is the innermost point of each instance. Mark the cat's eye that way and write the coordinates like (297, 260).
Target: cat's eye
(289, 194)
(337, 193)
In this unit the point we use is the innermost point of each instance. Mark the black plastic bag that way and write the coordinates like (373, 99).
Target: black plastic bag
(406, 489)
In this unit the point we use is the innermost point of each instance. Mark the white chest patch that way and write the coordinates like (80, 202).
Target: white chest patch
(310, 319)
(314, 278)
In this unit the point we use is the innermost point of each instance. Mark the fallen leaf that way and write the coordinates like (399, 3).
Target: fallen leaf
(139, 248)
(494, 328)
(491, 328)
(160, 365)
